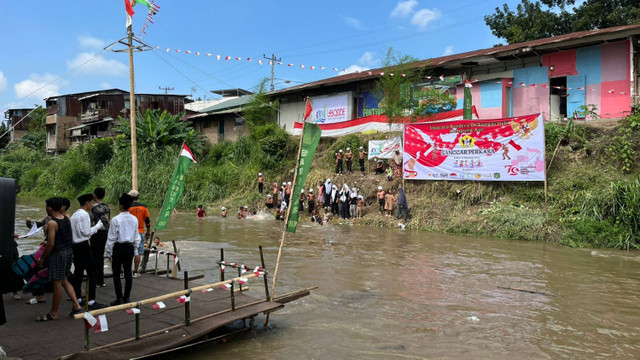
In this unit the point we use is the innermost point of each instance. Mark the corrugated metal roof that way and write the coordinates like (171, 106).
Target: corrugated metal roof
(232, 103)
(576, 39)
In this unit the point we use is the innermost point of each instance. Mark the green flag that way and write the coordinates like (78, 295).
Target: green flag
(175, 187)
(309, 144)
(466, 112)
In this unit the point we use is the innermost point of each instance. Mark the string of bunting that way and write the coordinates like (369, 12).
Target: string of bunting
(149, 19)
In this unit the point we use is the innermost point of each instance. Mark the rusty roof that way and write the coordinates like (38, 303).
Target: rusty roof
(555, 43)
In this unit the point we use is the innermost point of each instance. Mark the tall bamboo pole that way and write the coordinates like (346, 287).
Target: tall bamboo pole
(132, 110)
(286, 221)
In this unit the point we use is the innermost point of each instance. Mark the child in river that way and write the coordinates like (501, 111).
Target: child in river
(201, 212)
(360, 206)
(224, 212)
(269, 203)
(311, 201)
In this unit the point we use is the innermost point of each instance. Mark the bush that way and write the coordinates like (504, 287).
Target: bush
(100, 151)
(17, 161)
(596, 233)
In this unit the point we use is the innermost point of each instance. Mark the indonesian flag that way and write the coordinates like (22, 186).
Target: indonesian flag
(307, 110)
(227, 57)
(187, 152)
(129, 4)
(183, 299)
(89, 320)
(129, 8)
(101, 324)
(207, 290)
(175, 259)
(226, 286)
(243, 281)
(467, 83)
(159, 305)
(222, 268)
(515, 146)
(132, 311)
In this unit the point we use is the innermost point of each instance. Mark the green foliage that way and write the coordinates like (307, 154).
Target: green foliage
(67, 175)
(4, 140)
(589, 232)
(18, 160)
(36, 137)
(626, 143)
(516, 222)
(260, 110)
(531, 21)
(99, 151)
(156, 129)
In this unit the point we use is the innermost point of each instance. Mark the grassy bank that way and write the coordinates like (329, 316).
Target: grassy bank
(593, 183)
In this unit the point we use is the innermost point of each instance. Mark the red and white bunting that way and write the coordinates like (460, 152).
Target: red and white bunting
(206, 291)
(226, 286)
(467, 83)
(175, 259)
(183, 299)
(132, 311)
(101, 325)
(222, 267)
(159, 305)
(441, 77)
(89, 320)
(243, 281)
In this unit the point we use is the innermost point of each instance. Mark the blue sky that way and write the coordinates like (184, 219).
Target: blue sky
(61, 42)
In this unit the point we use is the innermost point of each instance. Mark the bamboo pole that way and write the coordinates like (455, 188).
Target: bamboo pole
(286, 222)
(132, 116)
(161, 297)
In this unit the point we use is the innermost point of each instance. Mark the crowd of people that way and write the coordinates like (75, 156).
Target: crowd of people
(83, 239)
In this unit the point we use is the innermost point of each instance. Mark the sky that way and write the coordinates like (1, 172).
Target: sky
(57, 47)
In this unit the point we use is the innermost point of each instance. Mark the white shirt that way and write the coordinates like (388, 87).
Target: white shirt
(123, 229)
(81, 226)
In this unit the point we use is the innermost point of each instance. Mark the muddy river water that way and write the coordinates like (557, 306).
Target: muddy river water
(394, 294)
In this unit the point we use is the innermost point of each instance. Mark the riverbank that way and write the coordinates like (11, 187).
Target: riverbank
(591, 201)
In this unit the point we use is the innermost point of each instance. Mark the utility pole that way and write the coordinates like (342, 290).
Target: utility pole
(273, 64)
(166, 89)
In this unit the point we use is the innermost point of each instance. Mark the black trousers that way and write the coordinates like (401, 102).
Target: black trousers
(349, 165)
(122, 257)
(361, 164)
(98, 242)
(339, 166)
(83, 261)
(260, 187)
(312, 205)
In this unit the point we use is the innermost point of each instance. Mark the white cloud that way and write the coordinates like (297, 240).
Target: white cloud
(36, 87)
(423, 17)
(404, 8)
(90, 42)
(354, 68)
(354, 23)
(105, 85)
(97, 66)
(367, 59)
(3, 82)
(448, 50)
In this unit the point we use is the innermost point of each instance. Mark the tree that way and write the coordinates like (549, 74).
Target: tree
(260, 110)
(536, 20)
(400, 92)
(36, 137)
(4, 141)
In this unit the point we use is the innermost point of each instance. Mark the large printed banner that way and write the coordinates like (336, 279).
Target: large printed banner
(510, 149)
(384, 149)
(328, 110)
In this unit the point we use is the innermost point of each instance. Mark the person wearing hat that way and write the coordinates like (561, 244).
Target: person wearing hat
(361, 159)
(224, 212)
(349, 157)
(245, 211)
(311, 201)
(380, 196)
(274, 191)
(141, 212)
(269, 203)
(302, 199)
(339, 157)
(260, 183)
(81, 231)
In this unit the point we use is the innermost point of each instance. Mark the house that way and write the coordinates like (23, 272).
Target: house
(18, 122)
(82, 117)
(554, 76)
(220, 119)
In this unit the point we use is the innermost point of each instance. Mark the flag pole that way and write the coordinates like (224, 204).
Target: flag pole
(132, 112)
(286, 221)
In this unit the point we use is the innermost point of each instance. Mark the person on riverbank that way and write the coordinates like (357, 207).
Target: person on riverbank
(311, 201)
(83, 260)
(141, 212)
(260, 183)
(344, 201)
(269, 202)
(339, 157)
(335, 200)
(287, 193)
(59, 252)
(38, 293)
(388, 202)
(201, 212)
(360, 207)
(389, 173)
(224, 212)
(99, 212)
(403, 205)
(361, 156)
(327, 193)
(380, 196)
(353, 202)
(301, 200)
(274, 193)
(379, 167)
(320, 193)
(123, 242)
(349, 157)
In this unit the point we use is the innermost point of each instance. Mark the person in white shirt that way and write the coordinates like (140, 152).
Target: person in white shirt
(122, 245)
(82, 255)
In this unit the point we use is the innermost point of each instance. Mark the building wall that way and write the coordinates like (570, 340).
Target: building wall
(290, 113)
(58, 134)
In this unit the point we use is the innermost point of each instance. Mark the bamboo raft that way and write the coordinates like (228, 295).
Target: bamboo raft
(211, 307)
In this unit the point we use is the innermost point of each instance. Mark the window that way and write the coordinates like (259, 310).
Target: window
(239, 121)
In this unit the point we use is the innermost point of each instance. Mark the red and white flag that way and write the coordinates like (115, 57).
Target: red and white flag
(226, 286)
(307, 111)
(441, 77)
(159, 305)
(222, 268)
(101, 325)
(207, 290)
(89, 320)
(132, 311)
(467, 83)
(243, 281)
(175, 256)
(183, 299)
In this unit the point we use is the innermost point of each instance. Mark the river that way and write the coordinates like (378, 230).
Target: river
(394, 294)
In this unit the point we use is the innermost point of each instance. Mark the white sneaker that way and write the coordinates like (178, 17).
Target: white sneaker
(136, 275)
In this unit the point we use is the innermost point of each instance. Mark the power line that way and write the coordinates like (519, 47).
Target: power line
(165, 89)
(272, 61)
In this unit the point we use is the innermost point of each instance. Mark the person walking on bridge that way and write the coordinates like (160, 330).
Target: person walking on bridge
(141, 212)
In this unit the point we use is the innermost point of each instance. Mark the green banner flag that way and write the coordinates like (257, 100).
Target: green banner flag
(310, 140)
(175, 187)
(466, 112)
